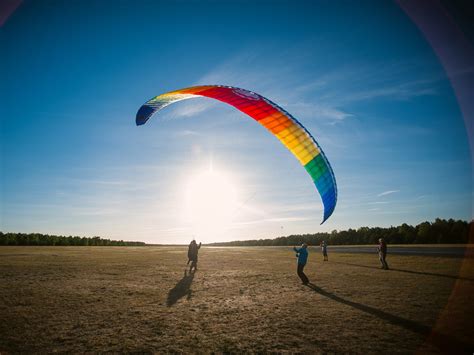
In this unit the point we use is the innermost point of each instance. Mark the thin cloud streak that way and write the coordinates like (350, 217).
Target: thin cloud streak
(278, 87)
(326, 98)
(389, 192)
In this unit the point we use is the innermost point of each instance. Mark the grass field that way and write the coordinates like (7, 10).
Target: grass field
(126, 299)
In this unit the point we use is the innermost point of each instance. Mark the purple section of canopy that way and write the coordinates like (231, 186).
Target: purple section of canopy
(7, 7)
(454, 50)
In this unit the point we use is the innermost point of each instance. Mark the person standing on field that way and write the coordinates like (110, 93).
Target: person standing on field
(382, 249)
(193, 250)
(324, 250)
(302, 255)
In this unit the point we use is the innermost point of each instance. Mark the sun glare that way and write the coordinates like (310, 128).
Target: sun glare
(211, 201)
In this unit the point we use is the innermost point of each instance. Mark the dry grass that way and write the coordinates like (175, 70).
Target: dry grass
(125, 299)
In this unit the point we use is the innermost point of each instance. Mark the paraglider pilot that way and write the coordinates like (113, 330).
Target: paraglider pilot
(302, 255)
(193, 250)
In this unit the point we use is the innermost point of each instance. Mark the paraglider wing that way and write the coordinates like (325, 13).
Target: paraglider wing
(280, 123)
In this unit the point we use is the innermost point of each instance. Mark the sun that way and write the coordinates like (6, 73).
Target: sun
(210, 203)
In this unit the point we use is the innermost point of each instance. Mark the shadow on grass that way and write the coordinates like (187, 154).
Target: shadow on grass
(454, 277)
(444, 342)
(181, 289)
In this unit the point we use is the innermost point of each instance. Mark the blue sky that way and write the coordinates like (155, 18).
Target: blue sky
(359, 76)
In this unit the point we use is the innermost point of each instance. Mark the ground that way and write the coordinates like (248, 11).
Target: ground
(139, 299)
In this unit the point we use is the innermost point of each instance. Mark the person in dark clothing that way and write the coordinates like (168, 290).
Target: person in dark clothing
(382, 249)
(193, 254)
(302, 255)
(324, 249)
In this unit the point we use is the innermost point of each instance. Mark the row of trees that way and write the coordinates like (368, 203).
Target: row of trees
(45, 239)
(440, 231)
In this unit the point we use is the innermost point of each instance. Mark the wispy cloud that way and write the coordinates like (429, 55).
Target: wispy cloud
(98, 182)
(187, 133)
(344, 86)
(310, 110)
(389, 192)
(281, 85)
(402, 91)
(188, 108)
(325, 97)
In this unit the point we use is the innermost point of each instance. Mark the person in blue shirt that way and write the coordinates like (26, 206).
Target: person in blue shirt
(302, 255)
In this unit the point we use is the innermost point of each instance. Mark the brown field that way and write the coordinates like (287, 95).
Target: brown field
(138, 299)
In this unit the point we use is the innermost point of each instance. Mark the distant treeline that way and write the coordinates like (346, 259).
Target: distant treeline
(441, 231)
(45, 239)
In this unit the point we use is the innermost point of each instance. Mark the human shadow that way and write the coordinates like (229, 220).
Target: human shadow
(444, 342)
(181, 289)
(411, 272)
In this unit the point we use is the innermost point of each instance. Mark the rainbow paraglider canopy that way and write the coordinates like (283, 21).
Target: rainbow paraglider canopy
(280, 123)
